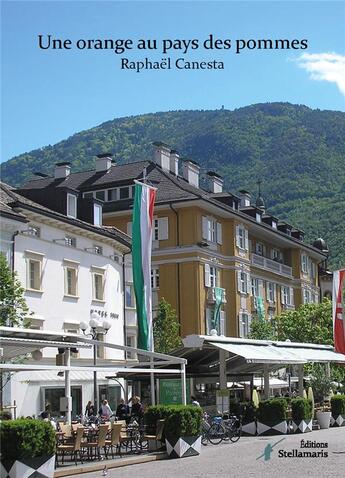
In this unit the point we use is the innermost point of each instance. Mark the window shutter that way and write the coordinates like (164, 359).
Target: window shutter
(261, 288)
(240, 326)
(267, 291)
(292, 301)
(163, 228)
(237, 235)
(207, 276)
(219, 233)
(239, 288)
(248, 284)
(129, 228)
(274, 292)
(204, 227)
(282, 298)
(246, 241)
(208, 313)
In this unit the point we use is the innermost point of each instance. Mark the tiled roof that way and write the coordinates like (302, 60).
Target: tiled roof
(15, 200)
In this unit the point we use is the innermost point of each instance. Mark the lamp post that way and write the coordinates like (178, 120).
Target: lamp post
(96, 328)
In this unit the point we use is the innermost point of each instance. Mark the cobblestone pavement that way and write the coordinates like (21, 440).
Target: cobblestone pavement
(240, 460)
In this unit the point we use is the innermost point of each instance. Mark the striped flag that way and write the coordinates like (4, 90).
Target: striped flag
(338, 311)
(144, 199)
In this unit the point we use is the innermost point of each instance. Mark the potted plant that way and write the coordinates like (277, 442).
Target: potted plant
(338, 411)
(302, 415)
(321, 384)
(151, 418)
(27, 445)
(271, 417)
(183, 431)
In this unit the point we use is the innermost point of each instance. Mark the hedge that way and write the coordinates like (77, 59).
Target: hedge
(301, 409)
(273, 410)
(26, 438)
(246, 409)
(338, 405)
(180, 420)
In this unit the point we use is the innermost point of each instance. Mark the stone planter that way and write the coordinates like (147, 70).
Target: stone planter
(338, 421)
(324, 419)
(272, 428)
(183, 446)
(249, 429)
(41, 466)
(302, 426)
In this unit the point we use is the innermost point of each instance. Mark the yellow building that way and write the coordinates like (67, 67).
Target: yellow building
(204, 240)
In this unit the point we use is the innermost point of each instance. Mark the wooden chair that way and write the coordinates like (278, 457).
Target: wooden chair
(115, 439)
(99, 443)
(72, 448)
(159, 433)
(67, 431)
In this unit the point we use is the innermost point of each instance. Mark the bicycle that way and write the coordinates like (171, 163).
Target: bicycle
(214, 432)
(233, 428)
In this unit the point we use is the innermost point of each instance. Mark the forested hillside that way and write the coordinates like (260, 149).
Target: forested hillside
(297, 152)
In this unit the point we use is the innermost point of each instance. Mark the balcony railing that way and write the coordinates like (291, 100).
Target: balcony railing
(211, 296)
(270, 265)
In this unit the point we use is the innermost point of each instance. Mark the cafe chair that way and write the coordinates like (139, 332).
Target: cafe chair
(74, 448)
(158, 435)
(98, 443)
(115, 439)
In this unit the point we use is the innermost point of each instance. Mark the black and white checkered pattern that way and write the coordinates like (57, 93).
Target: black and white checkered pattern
(184, 446)
(40, 467)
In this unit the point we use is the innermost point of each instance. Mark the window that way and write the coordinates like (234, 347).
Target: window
(71, 275)
(312, 269)
(244, 321)
(155, 278)
(131, 342)
(98, 249)
(242, 238)
(211, 276)
(276, 255)
(260, 249)
(98, 286)
(306, 296)
(97, 214)
(130, 300)
(304, 263)
(243, 282)
(274, 224)
(70, 241)
(112, 194)
(88, 195)
(34, 278)
(255, 287)
(287, 297)
(211, 230)
(71, 205)
(100, 195)
(160, 229)
(258, 217)
(124, 192)
(271, 292)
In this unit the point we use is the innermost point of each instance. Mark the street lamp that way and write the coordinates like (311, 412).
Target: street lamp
(96, 328)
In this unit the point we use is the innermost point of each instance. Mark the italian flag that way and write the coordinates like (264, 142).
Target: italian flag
(144, 199)
(338, 311)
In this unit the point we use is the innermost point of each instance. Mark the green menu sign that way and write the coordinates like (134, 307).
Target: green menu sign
(170, 392)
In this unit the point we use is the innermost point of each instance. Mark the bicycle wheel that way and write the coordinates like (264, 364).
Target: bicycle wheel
(216, 433)
(236, 434)
(204, 438)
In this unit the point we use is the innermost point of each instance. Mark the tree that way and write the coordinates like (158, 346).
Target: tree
(13, 309)
(166, 328)
(261, 330)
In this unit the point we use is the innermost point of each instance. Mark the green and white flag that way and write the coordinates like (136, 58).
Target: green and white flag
(144, 199)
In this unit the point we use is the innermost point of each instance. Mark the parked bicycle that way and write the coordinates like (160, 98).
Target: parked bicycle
(220, 429)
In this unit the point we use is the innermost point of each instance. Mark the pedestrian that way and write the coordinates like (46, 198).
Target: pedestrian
(122, 411)
(105, 411)
(194, 401)
(137, 410)
(90, 409)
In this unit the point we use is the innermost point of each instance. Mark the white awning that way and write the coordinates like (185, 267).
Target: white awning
(260, 353)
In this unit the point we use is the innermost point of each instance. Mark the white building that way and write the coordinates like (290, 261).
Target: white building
(69, 269)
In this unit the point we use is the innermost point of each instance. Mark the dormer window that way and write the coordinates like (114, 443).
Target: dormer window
(100, 195)
(288, 232)
(71, 205)
(274, 224)
(124, 192)
(258, 217)
(97, 214)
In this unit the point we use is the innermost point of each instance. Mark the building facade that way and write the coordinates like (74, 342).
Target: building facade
(212, 250)
(69, 269)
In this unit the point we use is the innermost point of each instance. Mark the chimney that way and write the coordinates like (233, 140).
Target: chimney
(245, 198)
(103, 162)
(190, 171)
(174, 159)
(62, 170)
(216, 182)
(162, 155)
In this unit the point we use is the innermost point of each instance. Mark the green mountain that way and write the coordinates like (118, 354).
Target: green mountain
(297, 152)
